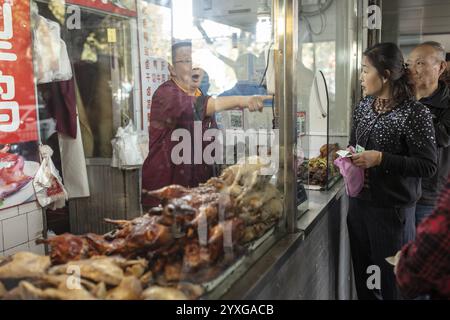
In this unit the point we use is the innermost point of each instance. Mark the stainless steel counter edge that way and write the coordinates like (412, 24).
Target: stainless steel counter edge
(262, 264)
(319, 202)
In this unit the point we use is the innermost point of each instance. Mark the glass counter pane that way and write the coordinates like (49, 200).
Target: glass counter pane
(324, 90)
(226, 45)
(99, 47)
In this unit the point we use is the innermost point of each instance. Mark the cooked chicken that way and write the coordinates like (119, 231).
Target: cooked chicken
(2, 291)
(193, 291)
(146, 278)
(27, 291)
(99, 291)
(130, 288)
(255, 231)
(23, 265)
(173, 272)
(136, 270)
(161, 293)
(98, 269)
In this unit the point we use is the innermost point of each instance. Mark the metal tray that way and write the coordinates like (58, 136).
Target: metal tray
(252, 246)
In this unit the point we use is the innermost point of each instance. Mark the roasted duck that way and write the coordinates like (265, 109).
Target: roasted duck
(131, 239)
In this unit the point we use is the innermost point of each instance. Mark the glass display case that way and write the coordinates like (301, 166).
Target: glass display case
(131, 60)
(231, 46)
(81, 111)
(99, 44)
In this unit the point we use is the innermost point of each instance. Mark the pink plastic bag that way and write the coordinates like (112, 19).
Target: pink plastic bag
(353, 176)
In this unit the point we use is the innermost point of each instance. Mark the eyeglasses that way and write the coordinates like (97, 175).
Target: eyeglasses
(184, 61)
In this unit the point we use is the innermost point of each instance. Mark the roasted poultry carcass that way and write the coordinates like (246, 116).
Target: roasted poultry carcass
(138, 237)
(131, 239)
(23, 265)
(110, 270)
(28, 291)
(68, 247)
(329, 150)
(12, 177)
(192, 205)
(319, 170)
(224, 235)
(95, 278)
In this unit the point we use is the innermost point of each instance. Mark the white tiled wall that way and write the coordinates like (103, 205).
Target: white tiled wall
(15, 231)
(22, 247)
(35, 224)
(20, 227)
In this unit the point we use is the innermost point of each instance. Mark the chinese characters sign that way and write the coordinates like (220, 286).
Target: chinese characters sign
(154, 66)
(18, 120)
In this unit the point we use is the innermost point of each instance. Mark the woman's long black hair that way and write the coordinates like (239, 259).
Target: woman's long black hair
(388, 57)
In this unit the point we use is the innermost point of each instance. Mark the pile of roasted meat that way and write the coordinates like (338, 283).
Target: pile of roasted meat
(314, 170)
(12, 178)
(191, 238)
(27, 276)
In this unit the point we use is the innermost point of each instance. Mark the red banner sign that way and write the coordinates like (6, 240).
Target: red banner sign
(18, 120)
(125, 8)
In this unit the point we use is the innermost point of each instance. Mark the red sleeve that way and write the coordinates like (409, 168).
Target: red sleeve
(200, 108)
(424, 265)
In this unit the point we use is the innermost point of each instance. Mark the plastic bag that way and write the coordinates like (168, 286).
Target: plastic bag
(47, 183)
(353, 175)
(51, 58)
(130, 148)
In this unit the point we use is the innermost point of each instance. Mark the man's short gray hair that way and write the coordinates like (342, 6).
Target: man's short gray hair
(438, 48)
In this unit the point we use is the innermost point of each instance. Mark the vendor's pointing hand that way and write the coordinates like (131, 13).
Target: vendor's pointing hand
(367, 159)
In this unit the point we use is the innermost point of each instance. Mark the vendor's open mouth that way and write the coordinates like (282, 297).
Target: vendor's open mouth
(195, 77)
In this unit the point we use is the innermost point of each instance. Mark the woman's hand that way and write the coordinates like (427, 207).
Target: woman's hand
(255, 103)
(367, 159)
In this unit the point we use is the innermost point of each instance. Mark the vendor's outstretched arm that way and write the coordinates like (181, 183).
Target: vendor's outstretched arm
(253, 103)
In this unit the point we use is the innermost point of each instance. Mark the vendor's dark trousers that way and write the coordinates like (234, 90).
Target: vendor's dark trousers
(375, 234)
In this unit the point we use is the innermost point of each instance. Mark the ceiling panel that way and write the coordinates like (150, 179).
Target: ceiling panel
(424, 16)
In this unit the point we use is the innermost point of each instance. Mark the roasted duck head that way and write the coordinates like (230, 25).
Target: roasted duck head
(68, 247)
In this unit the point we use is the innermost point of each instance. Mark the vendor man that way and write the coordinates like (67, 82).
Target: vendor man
(177, 104)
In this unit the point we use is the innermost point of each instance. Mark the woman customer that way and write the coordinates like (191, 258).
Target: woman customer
(395, 143)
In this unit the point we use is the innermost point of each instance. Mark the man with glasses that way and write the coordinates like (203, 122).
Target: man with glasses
(179, 104)
(427, 63)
